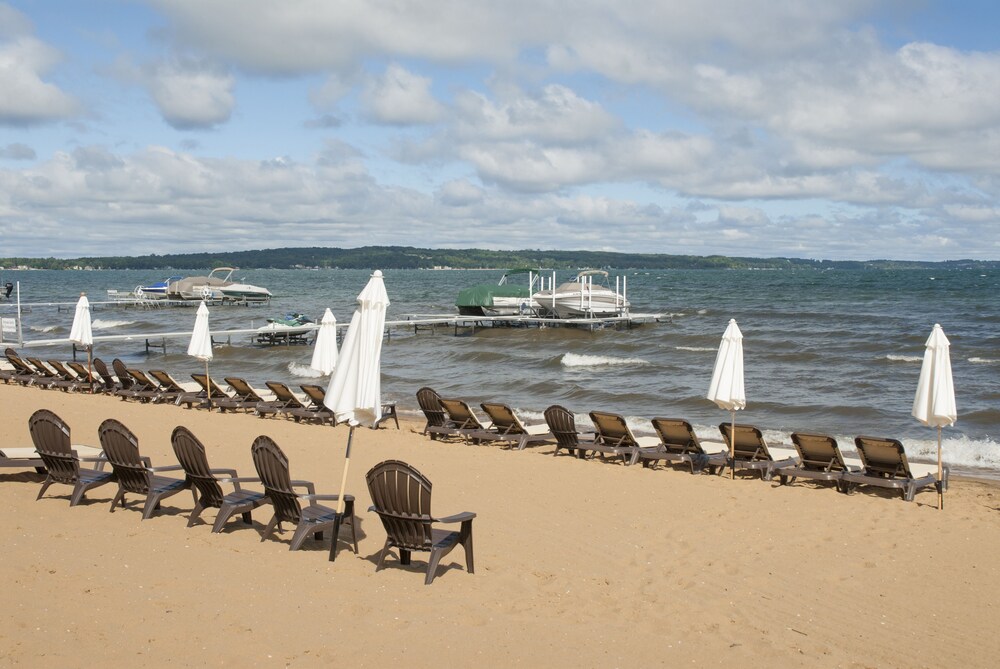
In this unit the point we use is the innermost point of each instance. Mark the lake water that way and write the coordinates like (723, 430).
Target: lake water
(836, 351)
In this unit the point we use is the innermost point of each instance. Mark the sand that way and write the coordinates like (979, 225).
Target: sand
(578, 563)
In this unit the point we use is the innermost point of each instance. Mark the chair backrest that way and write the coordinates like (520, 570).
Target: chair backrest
(121, 448)
(272, 468)
(316, 394)
(284, 394)
(20, 365)
(818, 452)
(41, 368)
(102, 370)
(430, 404)
(166, 381)
(882, 456)
(61, 370)
(206, 383)
(749, 445)
(677, 436)
(125, 380)
(50, 436)
(401, 497)
(503, 418)
(612, 429)
(562, 424)
(243, 390)
(81, 371)
(142, 382)
(460, 413)
(190, 454)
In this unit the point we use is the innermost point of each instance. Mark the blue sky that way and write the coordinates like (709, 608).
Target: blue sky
(851, 130)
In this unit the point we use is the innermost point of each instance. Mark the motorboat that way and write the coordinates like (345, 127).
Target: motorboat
(500, 299)
(583, 298)
(218, 285)
(291, 328)
(155, 291)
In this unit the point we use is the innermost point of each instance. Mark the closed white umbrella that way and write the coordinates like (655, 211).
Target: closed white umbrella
(201, 345)
(726, 389)
(82, 333)
(355, 391)
(934, 403)
(324, 358)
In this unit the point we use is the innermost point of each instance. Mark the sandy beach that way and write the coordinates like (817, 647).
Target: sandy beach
(578, 563)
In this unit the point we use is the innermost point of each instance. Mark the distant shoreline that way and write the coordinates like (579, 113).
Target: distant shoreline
(399, 257)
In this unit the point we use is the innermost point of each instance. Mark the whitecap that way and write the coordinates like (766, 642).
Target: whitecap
(904, 358)
(101, 324)
(48, 328)
(304, 371)
(983, 361)
(577, 360)
(697, 349)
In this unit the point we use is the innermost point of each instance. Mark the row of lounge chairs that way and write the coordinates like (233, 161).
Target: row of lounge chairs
(158, 385)
(400, 493)
(881, 461)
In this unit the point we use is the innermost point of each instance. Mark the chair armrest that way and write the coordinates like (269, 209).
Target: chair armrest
(239, 479)
(457, 518)
(347, 498)
(308, 485)
(231, 472)
(166, 468)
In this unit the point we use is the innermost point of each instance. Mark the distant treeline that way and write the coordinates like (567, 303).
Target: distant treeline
(406, 257)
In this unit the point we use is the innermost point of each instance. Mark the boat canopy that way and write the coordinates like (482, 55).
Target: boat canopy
(483, 294)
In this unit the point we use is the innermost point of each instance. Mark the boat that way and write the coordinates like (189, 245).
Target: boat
(582, 298)
(218, 285)
(155, 291)
(290, 329)
(500, 299)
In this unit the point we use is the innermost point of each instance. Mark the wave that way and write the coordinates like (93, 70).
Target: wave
(698, 349)
(47, 328)
(577, 360)
(984, 361)
(904, 358)
(101, 324)
(304, 371)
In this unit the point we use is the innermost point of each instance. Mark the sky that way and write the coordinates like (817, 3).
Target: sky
(856, 129)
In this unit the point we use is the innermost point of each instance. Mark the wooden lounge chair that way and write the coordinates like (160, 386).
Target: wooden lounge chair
(62, 464)
(109, 384)
(126, 384)
(243, 397)
(209, 394)
(285, 401)
(462, 421)
(562, 424)
(753, 453)
(44, 376)
(884, 464)
(612, 436)
(508, 427)
(23, 373)
(190, 453)
(401, 496)
(143, 388)
(170, 389)
(69, 377)
(86, 376)
(134, 472)
(316, 410)
(820, 459)
(430, 404)
(313, 518)
(679, 443)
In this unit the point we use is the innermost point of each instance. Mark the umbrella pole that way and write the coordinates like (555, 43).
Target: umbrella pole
(732, 447)
(940, 474)
(340, 497)
(90, 371)
(208, 388)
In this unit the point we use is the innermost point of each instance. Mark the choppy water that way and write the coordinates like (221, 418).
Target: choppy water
(825, 351)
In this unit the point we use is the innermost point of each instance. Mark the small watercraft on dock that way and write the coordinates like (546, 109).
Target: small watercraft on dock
(218, 285)
(292, 328)
(500, 299)
(583, 298)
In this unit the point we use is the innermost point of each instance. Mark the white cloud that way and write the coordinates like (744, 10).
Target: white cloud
(191, 94)
(24, 60)
(400, 97)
